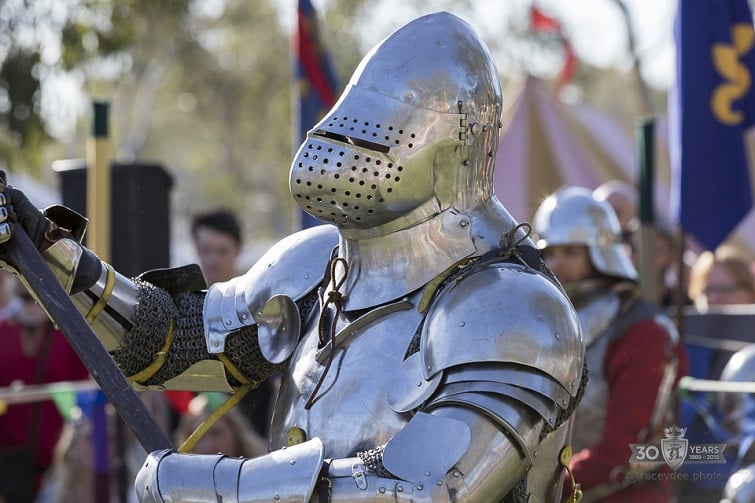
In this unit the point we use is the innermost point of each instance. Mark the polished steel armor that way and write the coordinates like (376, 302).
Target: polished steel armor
(572, 216)
(427, 353)
(738, 409)
(740, 488)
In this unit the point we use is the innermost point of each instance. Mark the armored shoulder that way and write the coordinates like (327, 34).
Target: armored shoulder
(267, 294)
(501, 339)
(504, 313)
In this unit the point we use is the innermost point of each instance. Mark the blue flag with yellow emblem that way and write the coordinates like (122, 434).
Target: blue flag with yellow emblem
(711, 106)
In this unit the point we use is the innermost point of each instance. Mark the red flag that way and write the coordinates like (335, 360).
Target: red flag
(542, 23)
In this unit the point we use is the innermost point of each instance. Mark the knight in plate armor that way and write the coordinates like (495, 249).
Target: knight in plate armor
(632, 348)
(426, 352)
(738, 413)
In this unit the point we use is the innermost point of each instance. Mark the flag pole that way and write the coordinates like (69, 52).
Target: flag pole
(98, 183)
(649, 274)
(98, 211)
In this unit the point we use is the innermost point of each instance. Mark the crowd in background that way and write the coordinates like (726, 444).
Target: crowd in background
(64, 464)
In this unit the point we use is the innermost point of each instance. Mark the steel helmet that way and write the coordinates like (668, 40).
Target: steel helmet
(738, 409)
(414, 133)
(573, 216)
(740, 488)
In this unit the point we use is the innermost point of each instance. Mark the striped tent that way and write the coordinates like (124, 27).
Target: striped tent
(546, 144)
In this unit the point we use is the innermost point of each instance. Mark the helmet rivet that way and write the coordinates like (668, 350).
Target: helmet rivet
(476, 129)
(466, 162)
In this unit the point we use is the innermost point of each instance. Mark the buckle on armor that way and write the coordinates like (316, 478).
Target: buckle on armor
(564, 457)
(357, 473)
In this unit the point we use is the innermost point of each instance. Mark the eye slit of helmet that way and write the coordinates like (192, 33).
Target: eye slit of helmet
(377, 147)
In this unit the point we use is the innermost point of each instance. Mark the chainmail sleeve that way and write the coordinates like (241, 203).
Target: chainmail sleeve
(150, 329)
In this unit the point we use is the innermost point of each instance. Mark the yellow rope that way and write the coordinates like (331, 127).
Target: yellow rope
(235, 372)
(147, 373)
(235, 398)
(102, 302)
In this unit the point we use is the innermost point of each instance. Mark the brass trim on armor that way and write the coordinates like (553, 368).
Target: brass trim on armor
(98, 306)
(148, 372)
(235, 372)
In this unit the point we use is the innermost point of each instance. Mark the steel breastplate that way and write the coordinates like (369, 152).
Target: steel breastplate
(351, 412)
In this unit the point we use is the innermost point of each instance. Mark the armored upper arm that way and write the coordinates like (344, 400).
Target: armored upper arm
(268, 293)
(505, 341)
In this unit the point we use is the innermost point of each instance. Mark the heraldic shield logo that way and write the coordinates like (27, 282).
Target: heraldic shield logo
(674, 446)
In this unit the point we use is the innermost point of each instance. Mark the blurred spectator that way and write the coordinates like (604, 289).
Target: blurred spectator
(231, 435)
(633, 352)
(10, 304)
(716, 279)
(622, 197)
(218, 241)
(71, 477)
(721, 278)
(34, 352)
(666, 255)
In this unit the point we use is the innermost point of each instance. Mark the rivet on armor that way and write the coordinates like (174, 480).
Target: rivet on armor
(461, 323)
(429, 367)
(419, 384)
(306, 276)
(228, 322)
(456, 473)
(558, 336)
(381, 490)
(400, 489)
(427, 474)
(464, 223)
(292, 462)
(439, 483)
(486, 127)
(476, 128)
(244, 317)
(466, 162)
(295, 435)
(534, 453)
(277, 496)
(420, 487)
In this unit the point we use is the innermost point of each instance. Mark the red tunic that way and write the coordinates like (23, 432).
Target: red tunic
(62, 365)
(633, 368)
